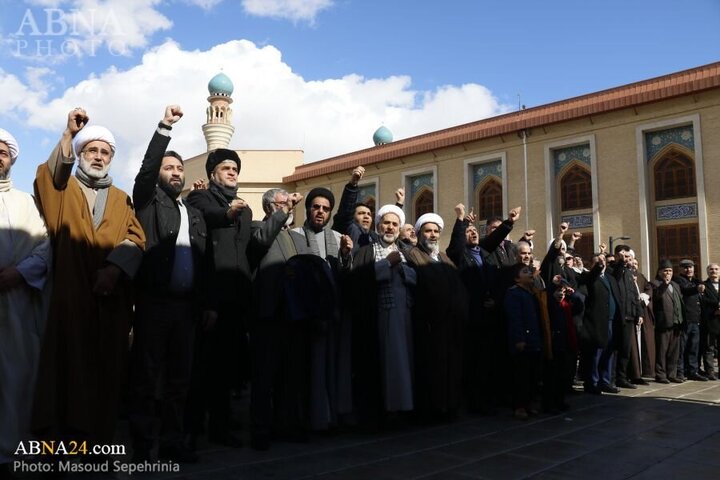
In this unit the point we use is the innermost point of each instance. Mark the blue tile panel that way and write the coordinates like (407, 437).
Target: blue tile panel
(656, 141)
(563, 156)
(418, 182)
(481, 171)
(674, 212)
(578, 221)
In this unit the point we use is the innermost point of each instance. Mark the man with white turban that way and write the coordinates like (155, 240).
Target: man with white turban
(438, 320)
(382, 323)
(97, 243)
(24, 265)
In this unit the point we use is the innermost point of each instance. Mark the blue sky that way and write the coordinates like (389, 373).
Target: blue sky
(322, 75)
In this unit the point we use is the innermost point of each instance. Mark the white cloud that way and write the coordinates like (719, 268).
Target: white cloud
(274, 108)
(295, 10)
(204, 4)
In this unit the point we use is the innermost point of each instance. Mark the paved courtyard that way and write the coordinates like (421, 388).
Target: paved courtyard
(655, 432)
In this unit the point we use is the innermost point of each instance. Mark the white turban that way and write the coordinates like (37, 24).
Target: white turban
(12, 144)
(429, 218)
(389, 209)
(91, 133)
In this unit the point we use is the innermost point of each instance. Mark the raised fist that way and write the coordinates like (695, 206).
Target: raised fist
(173, 113)
(357, 174)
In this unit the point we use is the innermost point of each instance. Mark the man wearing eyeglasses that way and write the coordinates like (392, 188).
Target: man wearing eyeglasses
(324, 335)
(98, 245)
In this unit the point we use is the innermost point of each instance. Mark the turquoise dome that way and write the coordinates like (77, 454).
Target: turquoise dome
(382, 136)
(220, 84)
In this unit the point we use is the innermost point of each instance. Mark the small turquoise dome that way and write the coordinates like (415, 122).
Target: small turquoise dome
(382, 136)
(220, 84)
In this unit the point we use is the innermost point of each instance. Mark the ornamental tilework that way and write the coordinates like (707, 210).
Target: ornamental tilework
(481, 171)
(563, 156)
(656, 141)
(420, 181)
(674, 212)
(578, 221)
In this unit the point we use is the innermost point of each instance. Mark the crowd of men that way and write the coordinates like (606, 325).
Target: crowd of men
(364, 323)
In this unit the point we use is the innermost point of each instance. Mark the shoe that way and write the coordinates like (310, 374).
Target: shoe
(225, 439)
(625, 384)
(697, 377)
(677, 380)
(592, 390)
(520, 414)
(712, 377)
(609, 389)
(662, 380)
(177, 454)
(639, 381)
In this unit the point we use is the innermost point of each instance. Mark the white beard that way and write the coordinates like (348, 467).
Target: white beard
(84, 165)
(390, 238)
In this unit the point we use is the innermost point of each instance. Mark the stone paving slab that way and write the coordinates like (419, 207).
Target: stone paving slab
(655, 432)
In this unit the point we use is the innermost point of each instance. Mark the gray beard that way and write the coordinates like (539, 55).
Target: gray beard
(392, 238)
(433, 248)
(84, 165)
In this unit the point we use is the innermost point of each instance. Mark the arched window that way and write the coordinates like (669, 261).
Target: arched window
(677, 242)
(674, 177)
(490, 200)
(423, 203)
(576, 189)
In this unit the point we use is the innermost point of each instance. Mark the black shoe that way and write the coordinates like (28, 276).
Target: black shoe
(677, 380)
(177, 454)
(592, 390)
(625, 384)
(697, 377)
(639, 381)
(712, 377)
(662, 380)
(609, 389)
(225, 439)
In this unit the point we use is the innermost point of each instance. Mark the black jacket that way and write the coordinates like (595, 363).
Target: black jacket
(710, 302)
(229, 240)
(159, 216)
(594, 331)
(691, 298)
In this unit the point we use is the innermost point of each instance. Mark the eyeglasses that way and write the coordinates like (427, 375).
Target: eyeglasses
(94, 151)
(321, 207)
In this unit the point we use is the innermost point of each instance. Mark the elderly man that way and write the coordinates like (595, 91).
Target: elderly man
(97, 244)
(710, 325)
(382, 327)
(438, 319)
(24, 266)
(668, 310)
(691, 288)
(221, 348)
(269, 331)
(171, 298)
(324, 341)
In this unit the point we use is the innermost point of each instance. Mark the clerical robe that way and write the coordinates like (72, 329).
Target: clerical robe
(84, 353)
(24, 245)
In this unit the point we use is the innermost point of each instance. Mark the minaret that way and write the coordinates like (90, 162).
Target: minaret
(219, 129)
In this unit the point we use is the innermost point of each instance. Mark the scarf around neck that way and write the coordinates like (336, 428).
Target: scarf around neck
(102, 186)
(5, 185)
